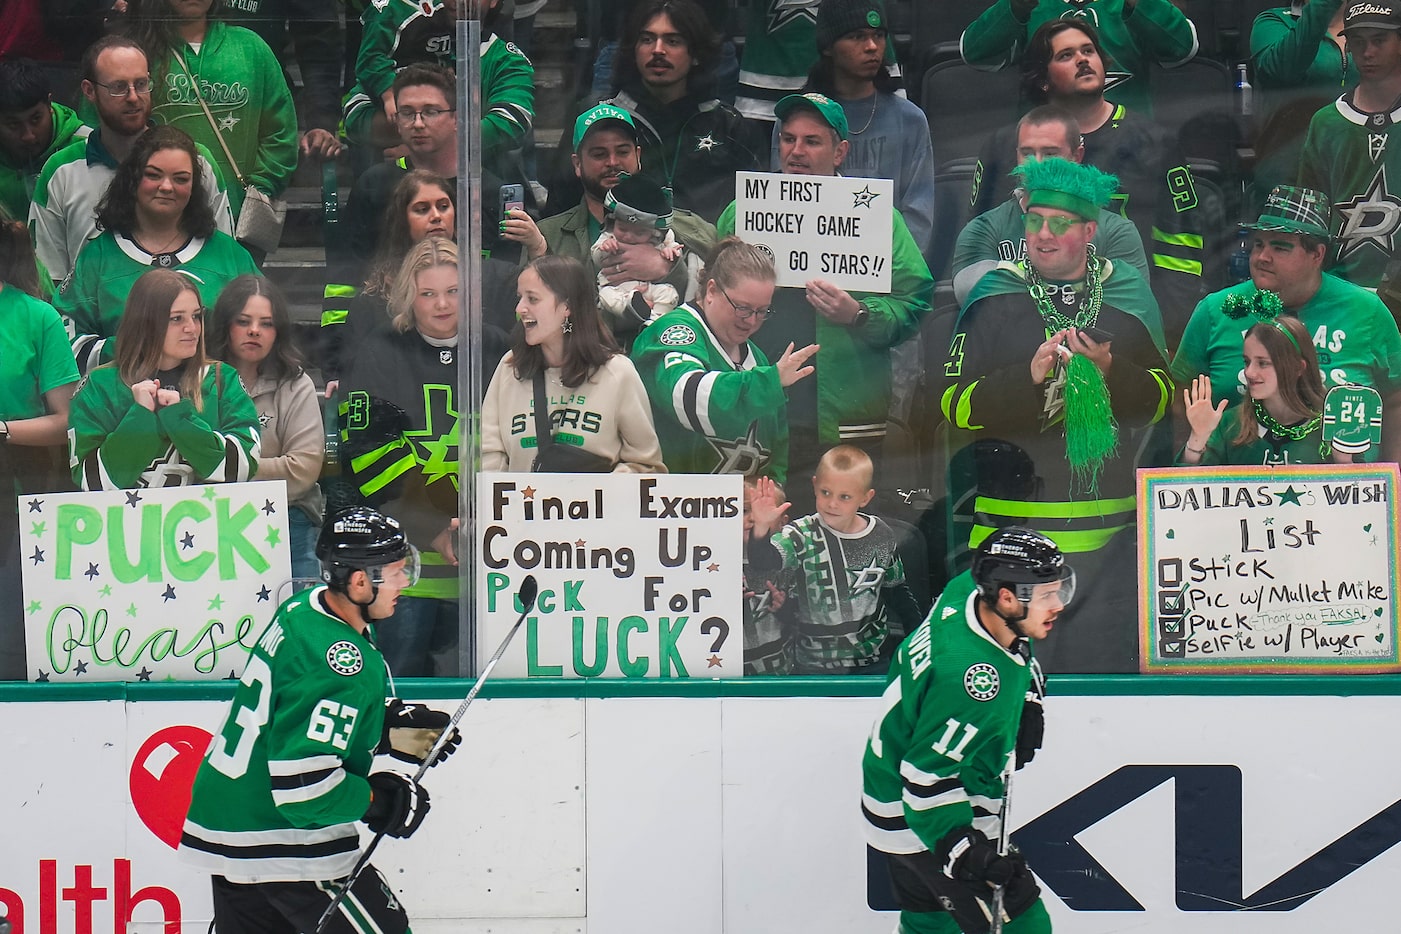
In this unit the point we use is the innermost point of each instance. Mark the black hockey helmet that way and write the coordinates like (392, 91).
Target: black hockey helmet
(359, 538)
(1020, 559)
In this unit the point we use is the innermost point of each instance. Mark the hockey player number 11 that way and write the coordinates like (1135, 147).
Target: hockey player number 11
(951, 726)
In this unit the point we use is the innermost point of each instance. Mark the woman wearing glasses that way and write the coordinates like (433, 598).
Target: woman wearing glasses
(155, 213)
(718, 404)
(162, 414)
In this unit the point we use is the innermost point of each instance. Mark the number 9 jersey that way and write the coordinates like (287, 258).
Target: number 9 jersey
(285, 779)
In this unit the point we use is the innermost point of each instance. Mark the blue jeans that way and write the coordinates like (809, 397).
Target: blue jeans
(420, 639)
(302, 533)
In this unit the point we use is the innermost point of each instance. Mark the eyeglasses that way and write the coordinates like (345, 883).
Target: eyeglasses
(430, 115)
(141, 86)
(744, 312)
(1059, 225)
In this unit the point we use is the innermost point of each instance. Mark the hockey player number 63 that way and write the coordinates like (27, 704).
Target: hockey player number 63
(247, 721)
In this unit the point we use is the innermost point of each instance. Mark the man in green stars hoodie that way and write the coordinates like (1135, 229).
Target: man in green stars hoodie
(32, 128)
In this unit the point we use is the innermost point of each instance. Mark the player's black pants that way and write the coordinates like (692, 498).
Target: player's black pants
(295, 907)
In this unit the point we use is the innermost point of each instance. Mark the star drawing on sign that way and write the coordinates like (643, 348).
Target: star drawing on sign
(169, 593)
(714, 661)
(92, 571)
(268, 507)
(106, 590)
(38, 556)
(187, 540)
(864, 197)
(1290, 495)
(209, 492)
(232, 676)
(132, 498)
(706, 143)
(36, 505)
(274, 536)
(581, 543)
(43, 677)
(216, 603)
(81, 668)
(37, 528)
(144, 674)
(34, 607)
(228, 122)
(131, 610)
(528, 492)
(712, 567)
(264, 593)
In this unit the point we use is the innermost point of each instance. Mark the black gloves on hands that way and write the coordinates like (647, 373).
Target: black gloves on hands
(398, 804)
(972, 871)
(1032, 731)
(410, 730)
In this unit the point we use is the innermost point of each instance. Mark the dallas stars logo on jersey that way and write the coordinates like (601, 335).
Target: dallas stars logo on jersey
(745, 455)
(1371, 217)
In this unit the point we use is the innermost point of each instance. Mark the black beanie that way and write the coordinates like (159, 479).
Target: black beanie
(836, 18)
(639, 200)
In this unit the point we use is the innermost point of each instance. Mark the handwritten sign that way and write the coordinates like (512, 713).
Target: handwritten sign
(819, 227)
(639, 575)
(1249, 569)
(153, 584)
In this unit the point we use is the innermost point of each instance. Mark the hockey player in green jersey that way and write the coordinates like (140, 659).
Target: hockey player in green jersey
(274, 805)
(718, 404)
(963, 704)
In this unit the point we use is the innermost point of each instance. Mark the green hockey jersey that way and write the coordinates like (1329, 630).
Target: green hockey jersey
(286, 776)
(948, 726)
(712, 415)
(115, 444)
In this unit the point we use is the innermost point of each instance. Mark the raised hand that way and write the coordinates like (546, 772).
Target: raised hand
(791, 365)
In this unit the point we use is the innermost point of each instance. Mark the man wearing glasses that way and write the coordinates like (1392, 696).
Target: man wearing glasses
(1056, 370)
(63, 216)
(32, 128)
(849, 400)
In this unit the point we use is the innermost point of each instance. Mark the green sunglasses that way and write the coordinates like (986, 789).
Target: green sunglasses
(1059, 225)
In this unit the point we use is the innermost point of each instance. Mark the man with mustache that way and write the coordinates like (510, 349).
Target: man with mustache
(1065, 65)
(889, 135)
(695, 143)
(117, 83)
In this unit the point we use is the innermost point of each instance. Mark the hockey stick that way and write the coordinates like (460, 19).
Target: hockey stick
(528, 591)
(1003, 836)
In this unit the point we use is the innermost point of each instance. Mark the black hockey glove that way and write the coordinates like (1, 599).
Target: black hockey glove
(972, 869)
(1032, 731)
(398, 804)
(969, 856)
(410, 730)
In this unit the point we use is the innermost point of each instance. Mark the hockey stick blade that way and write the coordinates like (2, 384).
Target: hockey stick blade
(530, 588)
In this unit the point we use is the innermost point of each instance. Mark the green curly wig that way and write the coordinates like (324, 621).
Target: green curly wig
(1067, 186)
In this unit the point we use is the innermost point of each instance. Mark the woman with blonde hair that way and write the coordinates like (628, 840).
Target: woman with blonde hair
(162, 414)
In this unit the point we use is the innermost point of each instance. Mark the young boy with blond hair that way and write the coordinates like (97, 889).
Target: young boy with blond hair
(854, 605)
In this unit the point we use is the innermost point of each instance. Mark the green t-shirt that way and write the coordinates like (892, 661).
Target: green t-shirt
(34, 354)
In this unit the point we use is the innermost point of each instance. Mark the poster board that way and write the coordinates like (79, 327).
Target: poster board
(1257, 569)
(639, 576)
(160, 584)
(819, 227)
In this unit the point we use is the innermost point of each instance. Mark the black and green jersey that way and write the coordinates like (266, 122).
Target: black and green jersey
(286, 776)
(400, 438)
(1355, 157)
(768, 621)
(116, 444)
(712, 415)
(947, 728)
(851, 592)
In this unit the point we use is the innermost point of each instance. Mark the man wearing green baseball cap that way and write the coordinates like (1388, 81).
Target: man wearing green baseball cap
(606, 148)
(849, 399)
(1355, 334)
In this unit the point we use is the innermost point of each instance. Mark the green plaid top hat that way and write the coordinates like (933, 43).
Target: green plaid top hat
(1296, 210)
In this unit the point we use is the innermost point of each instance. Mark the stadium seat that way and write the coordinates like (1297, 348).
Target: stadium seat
(965, 105)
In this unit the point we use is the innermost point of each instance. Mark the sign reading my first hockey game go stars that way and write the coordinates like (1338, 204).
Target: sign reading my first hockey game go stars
(640, 576)
(152, 584)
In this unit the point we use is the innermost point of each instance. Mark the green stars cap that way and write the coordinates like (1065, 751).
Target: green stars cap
(603, 113)
(1066, 186)
(1296, 210)
(829, 110)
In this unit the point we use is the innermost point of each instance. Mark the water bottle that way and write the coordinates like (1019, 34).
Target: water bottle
(1239, 266)
(1245, 94)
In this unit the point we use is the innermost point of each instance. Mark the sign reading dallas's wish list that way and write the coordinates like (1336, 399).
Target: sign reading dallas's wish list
(819, 227)
(639, 576)
(1259, 569)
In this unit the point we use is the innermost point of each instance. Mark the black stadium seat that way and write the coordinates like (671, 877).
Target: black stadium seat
(965, 105)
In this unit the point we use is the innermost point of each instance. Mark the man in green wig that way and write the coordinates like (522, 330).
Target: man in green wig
(1054, 374)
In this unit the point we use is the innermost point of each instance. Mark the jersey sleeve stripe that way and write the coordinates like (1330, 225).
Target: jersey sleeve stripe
(282, 767)
(307, 788)
(941, 787)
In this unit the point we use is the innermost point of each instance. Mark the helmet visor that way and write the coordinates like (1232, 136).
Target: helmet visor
(399, 574)
(1052, 594)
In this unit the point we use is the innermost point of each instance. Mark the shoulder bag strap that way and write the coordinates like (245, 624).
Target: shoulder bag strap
(543, 437)
(214, 125)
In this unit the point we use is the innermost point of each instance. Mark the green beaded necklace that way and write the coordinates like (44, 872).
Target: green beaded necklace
(1290, 432)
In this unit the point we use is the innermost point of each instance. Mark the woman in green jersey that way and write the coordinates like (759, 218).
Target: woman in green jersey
(162, 415)
(1283, 422)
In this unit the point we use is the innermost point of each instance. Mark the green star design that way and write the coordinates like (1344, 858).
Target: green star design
(210, 492)
(131, 610)
(217, 603)
(982, 682)
(34, 607)
(1290, 495)
(106, 590)
(37, 528)
(274, 536)
(436, 449)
